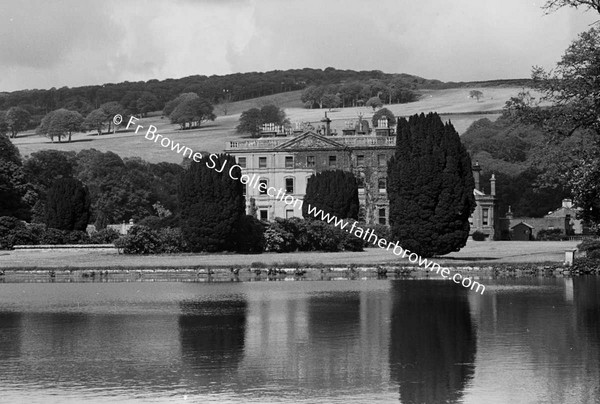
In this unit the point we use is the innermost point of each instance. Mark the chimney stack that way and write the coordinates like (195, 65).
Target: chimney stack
(327, 125)
(493, 185)
(476, 174)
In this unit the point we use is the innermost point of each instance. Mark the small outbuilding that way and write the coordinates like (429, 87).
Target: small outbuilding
(522, 232)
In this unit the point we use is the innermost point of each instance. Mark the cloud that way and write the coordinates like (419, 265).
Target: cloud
(87, 42)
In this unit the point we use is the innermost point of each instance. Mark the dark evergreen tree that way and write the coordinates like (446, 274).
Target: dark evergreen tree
(14, 188)
(335, 192)
(211, 204)
(68, 205)
(430, 187)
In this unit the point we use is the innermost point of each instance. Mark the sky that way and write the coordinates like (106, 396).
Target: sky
(87, 42)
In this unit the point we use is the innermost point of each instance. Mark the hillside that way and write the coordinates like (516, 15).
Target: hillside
(454, 104)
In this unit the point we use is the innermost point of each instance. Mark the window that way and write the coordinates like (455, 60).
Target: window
(244, 190)
(361, 183)
(264, 214)
(381, 160)
(242, 162)
(262, 162)
(382, 218)
(486, 213)
(289, 185)
(289, 161)
(289, 213)
(263, 189)
(360, 160)
(382, 184)
(310, 161)
(332, 161)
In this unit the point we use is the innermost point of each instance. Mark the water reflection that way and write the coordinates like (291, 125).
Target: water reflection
(525, 340)
(212, 335)
(433, 341)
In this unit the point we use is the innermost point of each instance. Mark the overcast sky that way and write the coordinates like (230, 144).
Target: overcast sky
(80, 42)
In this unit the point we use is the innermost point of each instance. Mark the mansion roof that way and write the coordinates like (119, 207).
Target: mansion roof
(312, 140)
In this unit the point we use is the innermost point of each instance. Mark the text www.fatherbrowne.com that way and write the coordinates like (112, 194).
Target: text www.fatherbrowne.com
(367, 235)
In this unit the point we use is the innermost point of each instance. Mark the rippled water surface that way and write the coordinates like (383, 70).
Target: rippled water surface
(410, 341)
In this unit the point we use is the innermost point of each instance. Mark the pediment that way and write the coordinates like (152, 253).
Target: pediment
(310, 140)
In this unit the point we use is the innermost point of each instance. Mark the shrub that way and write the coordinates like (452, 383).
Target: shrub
(171, 241)
(380, 230)
(140, 240)
(277, 238)
(589, 245)
(76, 237)
(550, 235)
(250, 237)
(593, 254)
(478, 236)
(104, 236)
(53, 236)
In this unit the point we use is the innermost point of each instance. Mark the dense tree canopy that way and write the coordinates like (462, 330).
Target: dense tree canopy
(14, 190)
(430, 187)
(16, 119)
(252, 119)
(191, 113)
(61, 123)
(68, 205)
(211, 205)
(334, 192)
(384, 112)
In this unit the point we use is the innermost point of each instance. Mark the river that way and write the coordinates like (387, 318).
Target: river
(526, 340)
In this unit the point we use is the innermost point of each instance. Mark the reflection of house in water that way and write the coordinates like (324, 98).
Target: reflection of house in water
(324, 341)
(433, 341)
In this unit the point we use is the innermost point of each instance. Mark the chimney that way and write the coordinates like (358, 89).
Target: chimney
(567, 203)
(493, 185)
(476, 173)
(509, 214)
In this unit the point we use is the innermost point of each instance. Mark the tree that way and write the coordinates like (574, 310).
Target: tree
(475, 94)
(573, 92)
(211, 204)
(13, 184)
(110, 110)
(331, 101)
(60, 123)
(374, 102)
(147, 102)
(96, 120)
(556, 4)
(384, 113)
(17, 119)
(68, 205)
(334, 192)
(272, 114)
(250, 122)
(171, 105)
(430, 187)
(193, 113)
(3, 124)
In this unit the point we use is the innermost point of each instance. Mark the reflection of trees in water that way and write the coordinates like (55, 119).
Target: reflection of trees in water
(587, 303)
(433, 341)
(212, 335)
(10, 335)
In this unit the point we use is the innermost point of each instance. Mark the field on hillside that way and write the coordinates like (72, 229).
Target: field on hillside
(454, 104)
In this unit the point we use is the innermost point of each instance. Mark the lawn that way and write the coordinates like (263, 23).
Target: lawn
(474, 253)
(453, 103)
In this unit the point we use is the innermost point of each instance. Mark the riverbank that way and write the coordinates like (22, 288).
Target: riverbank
(474, 253)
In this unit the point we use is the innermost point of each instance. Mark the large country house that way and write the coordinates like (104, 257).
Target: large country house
(286, 160)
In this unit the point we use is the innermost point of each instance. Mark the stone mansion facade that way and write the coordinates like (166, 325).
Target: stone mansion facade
(286, 162)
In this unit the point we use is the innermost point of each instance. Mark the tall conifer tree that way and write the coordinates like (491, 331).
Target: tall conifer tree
(68, 205)
(430, 187)
(212, 204)
(334, 192)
